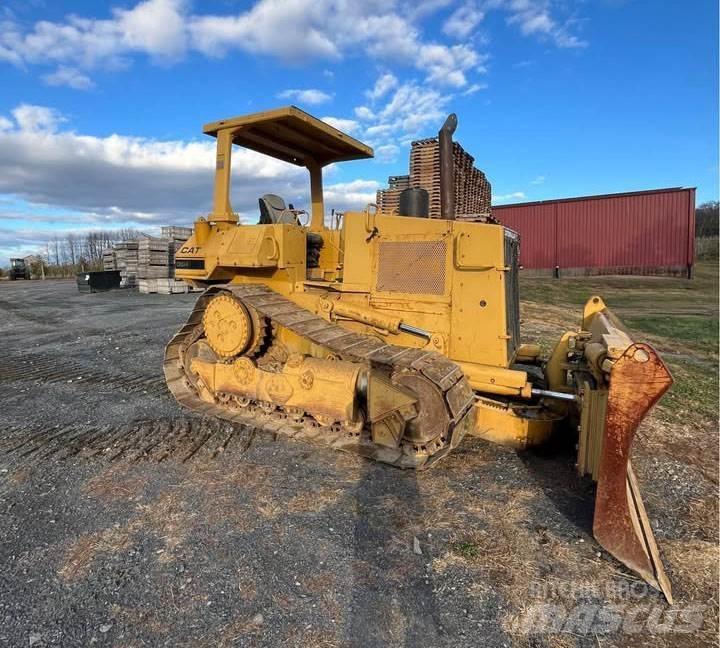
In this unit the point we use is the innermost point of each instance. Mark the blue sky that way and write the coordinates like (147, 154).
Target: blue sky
(102, 104)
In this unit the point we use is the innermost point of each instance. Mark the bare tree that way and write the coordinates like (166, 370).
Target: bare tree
(706, 219)
(72, 243)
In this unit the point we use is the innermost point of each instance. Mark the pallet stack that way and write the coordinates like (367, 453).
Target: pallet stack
(175, 233)
(157, 261)
(388, 200)
(154, 259)
(126, 258)
(472, 189)
(164, 286)
(177, 237)
(108, 259)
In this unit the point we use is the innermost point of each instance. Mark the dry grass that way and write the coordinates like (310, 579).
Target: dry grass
(84, 551)
(116, 482)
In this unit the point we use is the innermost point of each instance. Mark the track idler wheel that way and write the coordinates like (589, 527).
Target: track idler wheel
(230, 327)
(432, 420)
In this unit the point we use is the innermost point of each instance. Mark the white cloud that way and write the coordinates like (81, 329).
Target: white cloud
(356, 194)
(387, 153)
(380, 130)
(289, 29)
(42, 165)
(382, 86)
(447, 65)
(424, 7)
(310, 96)
(363, 112)
(475, 87)
(516, 195)
(463, 21)
(409, 111)
(411, 107)
(34, 119)
(292, 30)
(538, 180)
(70, 77)
(121, 180)
(533, 17)
(154, 26)
(345, 125)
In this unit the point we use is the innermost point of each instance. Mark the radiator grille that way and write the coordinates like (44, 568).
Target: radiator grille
(512, 296)
(416, 267)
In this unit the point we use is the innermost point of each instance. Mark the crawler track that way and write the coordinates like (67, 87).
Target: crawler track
(370, 351)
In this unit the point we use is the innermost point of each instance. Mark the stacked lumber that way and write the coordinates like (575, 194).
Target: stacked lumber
(108, 259)
(126, 258)
(154, 259)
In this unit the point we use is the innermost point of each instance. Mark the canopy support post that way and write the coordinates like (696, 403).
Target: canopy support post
(317, 220)
(222, 209)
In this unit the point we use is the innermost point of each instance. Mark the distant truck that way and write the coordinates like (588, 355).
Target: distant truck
(18, 269)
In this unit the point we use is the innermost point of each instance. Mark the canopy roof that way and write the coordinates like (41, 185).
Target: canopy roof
(292, 135)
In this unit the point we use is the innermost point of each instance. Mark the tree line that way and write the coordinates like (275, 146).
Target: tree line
(66, 255)
(706, 219)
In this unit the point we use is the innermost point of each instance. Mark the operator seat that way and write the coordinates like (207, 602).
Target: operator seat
(273, 211)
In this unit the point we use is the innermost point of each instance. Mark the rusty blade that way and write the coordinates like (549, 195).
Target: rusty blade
(637, 381)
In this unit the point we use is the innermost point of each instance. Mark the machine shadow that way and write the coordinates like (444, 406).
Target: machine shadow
(552, 469)
(393, 600)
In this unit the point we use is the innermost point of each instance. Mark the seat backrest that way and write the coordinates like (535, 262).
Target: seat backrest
(273, 211)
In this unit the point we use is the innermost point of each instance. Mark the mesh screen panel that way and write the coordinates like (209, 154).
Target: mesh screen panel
(416, 267)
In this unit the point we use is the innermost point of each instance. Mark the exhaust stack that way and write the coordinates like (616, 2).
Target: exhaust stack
(447, 170)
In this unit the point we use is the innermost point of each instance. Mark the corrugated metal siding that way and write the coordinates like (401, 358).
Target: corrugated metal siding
(639, 233)
(537, 229)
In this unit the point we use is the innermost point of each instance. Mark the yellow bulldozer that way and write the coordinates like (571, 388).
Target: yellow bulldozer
(394, 335)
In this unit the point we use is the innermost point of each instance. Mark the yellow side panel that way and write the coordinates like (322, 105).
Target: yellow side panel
(497, 422)
(260, 246)
(478, 327)
(330, 251)
(357, 251)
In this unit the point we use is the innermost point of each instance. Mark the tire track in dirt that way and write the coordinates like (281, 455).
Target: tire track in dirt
(183, 439)
(49, 369)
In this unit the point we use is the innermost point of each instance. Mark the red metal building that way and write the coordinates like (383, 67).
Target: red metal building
(640, 232)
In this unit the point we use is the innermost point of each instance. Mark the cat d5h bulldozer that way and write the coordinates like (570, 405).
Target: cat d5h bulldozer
(395, 335)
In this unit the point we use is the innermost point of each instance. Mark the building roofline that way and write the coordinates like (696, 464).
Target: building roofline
(597, 197)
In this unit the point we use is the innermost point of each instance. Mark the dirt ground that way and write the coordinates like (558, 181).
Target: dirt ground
(127, 521)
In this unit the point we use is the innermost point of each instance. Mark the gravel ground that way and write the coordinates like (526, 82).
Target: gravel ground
(127, 521)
